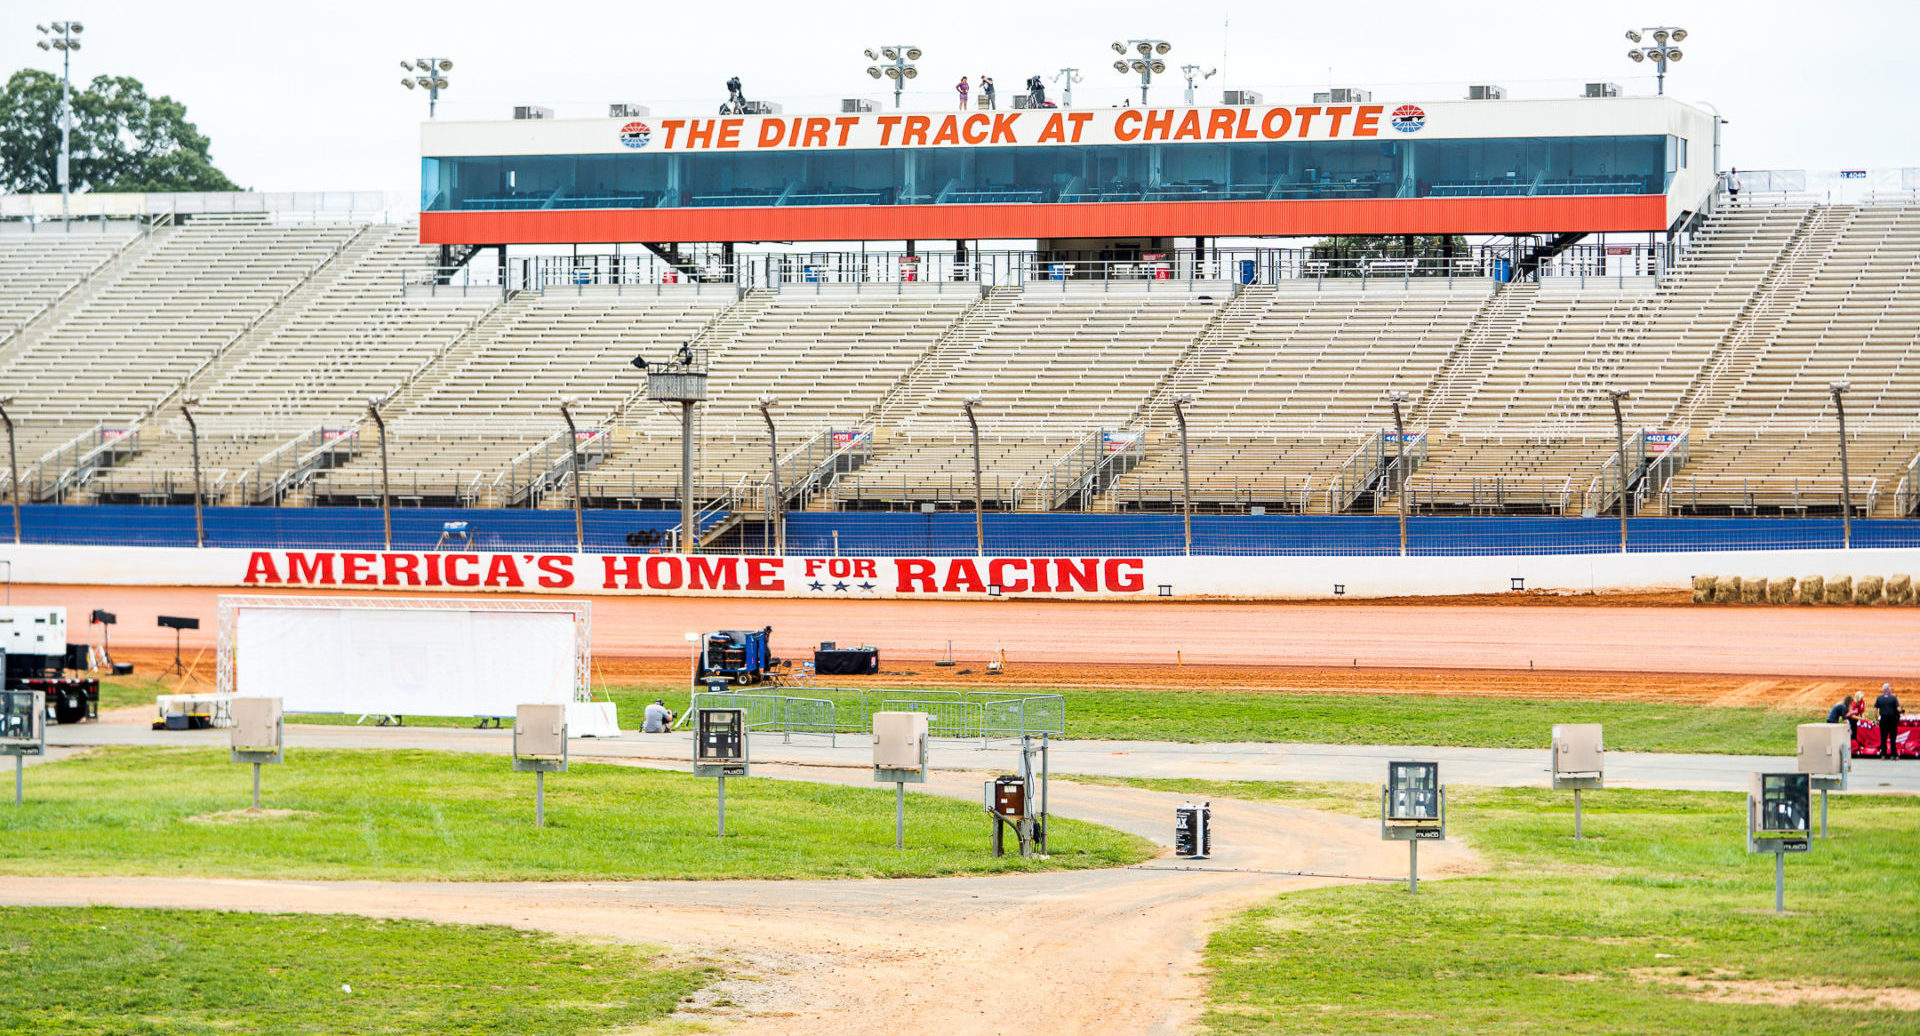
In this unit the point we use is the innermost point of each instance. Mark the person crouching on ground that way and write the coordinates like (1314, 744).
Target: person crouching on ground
(659, 718)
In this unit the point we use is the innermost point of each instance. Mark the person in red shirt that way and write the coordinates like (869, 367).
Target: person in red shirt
(1856, 708)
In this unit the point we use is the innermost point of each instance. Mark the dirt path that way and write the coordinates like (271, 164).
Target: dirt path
(1821, 643)
(1107, 952)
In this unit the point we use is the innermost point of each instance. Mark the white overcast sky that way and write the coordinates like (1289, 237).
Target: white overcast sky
(307, 96)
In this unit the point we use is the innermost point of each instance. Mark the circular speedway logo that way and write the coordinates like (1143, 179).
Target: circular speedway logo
(636, 134)
(1408, 118)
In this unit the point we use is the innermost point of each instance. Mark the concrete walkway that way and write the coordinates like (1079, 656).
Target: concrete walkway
(1493, 767)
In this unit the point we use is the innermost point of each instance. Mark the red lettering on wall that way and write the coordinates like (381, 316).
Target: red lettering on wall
(1189, 127)
(772, 132)
(962, 577)
(556, 571)
(887, 124)
(764, 574)
(1159, 124)
(1079, 120)
(1003, 129)
(399, 565)
(915, 131)
(1126, 126)
(1267, 128)
(1245, 131)
(1366, 121)
(1124, 574)
(358, 569)
(863, 569)
(623, 572)
(305, 568)
(1083, 575)
(1039, 570)
(1054, 130)
(1220, 124)
(913, 575)
(705, 573)
(974, 131)
(671, 126)
(1339, 114)
(846, 123)
(998, 568)
(1306, 114)
(730, 132)
(949, 131)
(433, 568)
(664, 572)
(453, 565)
(503, 571)
(700, 133)
(816, 133)
(260, 568)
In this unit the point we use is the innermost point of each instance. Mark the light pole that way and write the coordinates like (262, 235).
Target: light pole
(1146, 63)
(682, 380)
(193, 433)
(979, 520)
(900, 67)
(1186, 481)
(1839, 389)
(13, 465)
(1066, 77)
(1620, 443)
(573, 462)
(64, 37)
(1194, 75)
(432, 78)
(386, 510)
(1397, 397)
(776, 504)
(1663, 50)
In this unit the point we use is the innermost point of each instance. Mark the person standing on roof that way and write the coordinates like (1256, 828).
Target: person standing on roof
(1888, 706)
(986, 93)
(961, 88)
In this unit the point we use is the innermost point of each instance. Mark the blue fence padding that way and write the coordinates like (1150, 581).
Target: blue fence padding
(951, 533)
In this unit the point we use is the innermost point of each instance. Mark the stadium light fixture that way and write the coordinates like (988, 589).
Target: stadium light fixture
(573, 464)
(1839, 389)
(13, 464)
(1146, 64)
(979, 520)
(776, 504)
(187, 403)
(901, 68)
(1066, 77)
(1664, 49)
(432, 78)
(1194, 74)
(1399, 397)
(65, 38)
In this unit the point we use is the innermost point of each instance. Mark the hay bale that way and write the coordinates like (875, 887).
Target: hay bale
(1840, 590)
(1702, 589)
(1754, 591)
(1780, 591)
(1726, 590)
(1867, 590)
(1813, 590)
(1899, 588)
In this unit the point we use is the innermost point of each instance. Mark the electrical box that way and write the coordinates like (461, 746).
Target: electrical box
(531, 111)
(1577, 754)
(720, 743)
(1486, 92)
(1603, 90)
(1343, 95)
(1235, 98)
(900, 743)
(33, 631)
(1193, 830)
(1007, 797)
(540, 737)
(1412, 803)
(853, 105)
(762, 108)
(1778, 812)
(626, 111)
(1824, 748)
(23, 722)
(257, 729)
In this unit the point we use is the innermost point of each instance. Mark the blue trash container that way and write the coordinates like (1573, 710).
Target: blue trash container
(1246, 271)
(1503, 270)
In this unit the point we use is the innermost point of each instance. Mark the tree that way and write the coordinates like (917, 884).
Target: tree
(1349, 252)
(123, 140)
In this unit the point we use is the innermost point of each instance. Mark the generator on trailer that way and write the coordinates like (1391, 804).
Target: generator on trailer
(33, 642)
(738, 657)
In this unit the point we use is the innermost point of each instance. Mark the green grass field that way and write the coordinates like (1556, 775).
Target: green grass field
(1659, 923)
(452, 816)
(88, 971)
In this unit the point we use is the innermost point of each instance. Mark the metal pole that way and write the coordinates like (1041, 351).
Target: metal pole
(979, 520)
(1779, 881)
(1044, 816)
(1823, 812)
(539, 798)
(573, 459)
(193, 432)
(66, 127)
(256, 786)
(689, 536)
(19, 779)
(899, 815)
(1413, 865)
(1620, 440)
(776, 505)
(13, 466)
(1400, 466)
(1186, 483)
(386, 508)
(1576, 814)
(1839, 389)
(723, 806)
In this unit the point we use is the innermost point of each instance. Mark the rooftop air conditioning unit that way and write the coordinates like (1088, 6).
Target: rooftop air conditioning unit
(763, 108)
(1486, 93)
(531, 111)
(1603, 89)
(626, 111)
(1343, 95)
(851, 105)
(1243, 97)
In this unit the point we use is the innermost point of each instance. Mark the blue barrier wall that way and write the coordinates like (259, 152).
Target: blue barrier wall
(952, 533)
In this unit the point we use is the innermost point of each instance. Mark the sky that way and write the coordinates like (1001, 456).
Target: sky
(307, 96)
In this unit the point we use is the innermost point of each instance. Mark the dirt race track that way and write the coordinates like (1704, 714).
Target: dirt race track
(1646, 634)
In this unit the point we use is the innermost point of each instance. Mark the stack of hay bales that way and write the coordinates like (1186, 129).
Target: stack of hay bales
(1897, 589)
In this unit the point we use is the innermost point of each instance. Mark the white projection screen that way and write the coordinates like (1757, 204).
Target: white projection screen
(404, 657)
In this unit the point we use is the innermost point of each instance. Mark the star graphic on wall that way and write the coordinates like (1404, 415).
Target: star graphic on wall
(815, 586)
(867, 587)
(840, 587)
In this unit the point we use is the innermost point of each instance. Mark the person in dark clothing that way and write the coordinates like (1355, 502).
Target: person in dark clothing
(1888, 706)
(1838, 712)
